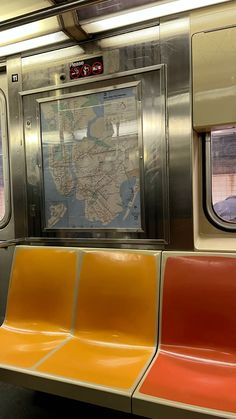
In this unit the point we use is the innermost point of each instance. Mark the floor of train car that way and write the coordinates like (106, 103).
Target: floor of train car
(20, 403)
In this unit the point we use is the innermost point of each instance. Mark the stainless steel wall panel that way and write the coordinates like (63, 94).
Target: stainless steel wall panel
(17, 154)
(7, 231)
(6, 256)
(49, 74)
(115, 60)
(175, 53)
(173, 50)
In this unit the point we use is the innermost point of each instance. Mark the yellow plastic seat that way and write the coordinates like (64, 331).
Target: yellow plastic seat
(39, 306)
(115, 323)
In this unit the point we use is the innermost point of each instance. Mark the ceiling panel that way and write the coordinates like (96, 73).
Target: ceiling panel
(110, 6)
(106, 7)
(12, 8)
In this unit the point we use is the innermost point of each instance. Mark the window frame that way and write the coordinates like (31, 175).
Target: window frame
(6, 164)
(212, 215)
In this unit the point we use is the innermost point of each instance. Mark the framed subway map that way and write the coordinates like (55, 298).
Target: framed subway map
(91, 146)
(96, 153)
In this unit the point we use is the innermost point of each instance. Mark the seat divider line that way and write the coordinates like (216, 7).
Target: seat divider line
(143, 371)
(76, 290)
(147, 367)
(159, 296)
(155, 344)
(79, 258)
(10, 281)
(51, 352)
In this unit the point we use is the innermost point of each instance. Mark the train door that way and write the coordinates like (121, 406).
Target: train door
(6, 216)
(6, 231)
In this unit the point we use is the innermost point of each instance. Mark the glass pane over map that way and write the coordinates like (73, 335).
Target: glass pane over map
(91, 164)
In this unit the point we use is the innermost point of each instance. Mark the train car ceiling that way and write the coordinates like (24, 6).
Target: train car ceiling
(78, 24)
(13, 8)
(142, 14)
(31, 35)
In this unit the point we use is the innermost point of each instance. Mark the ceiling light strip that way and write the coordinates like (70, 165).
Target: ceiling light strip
(145, 14)
(40, 41)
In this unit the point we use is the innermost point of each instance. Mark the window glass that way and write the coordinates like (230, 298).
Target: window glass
(4, 189)
(223, 157)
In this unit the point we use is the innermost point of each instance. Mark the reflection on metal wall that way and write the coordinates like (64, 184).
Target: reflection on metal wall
(175, 53)
(53, 70)
(18, 224)
(7, 224)
(2, 180)
(6, 256)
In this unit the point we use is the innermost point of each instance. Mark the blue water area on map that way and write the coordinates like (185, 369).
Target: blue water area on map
(74, 216)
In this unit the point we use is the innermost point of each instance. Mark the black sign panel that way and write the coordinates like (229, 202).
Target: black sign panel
(86, 68)
(14, 78)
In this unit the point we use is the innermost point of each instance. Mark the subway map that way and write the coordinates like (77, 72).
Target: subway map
(91, 162)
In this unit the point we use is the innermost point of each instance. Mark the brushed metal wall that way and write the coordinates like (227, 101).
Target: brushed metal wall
(16, 149)
(6, 256)
(172, 49)
(175, 53)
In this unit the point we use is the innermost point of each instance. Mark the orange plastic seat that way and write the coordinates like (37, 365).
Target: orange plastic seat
(195, 367)
(115, 325)
(39, 306)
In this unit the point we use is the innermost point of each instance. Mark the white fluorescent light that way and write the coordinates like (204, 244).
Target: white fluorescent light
(145, 13)
(40, 41)
(53, 56)
(144, 35)
(30, 30)
(13, 8)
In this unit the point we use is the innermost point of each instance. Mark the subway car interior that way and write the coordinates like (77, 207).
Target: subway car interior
(117, 209)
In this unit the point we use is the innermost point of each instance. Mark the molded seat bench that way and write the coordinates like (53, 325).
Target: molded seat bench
(194, 370)
(94, 334)
(39, 305)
